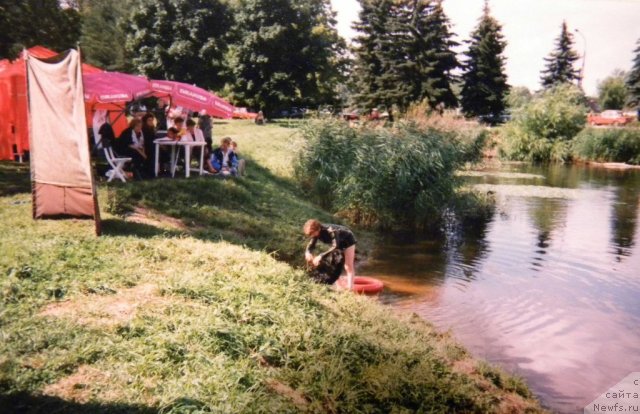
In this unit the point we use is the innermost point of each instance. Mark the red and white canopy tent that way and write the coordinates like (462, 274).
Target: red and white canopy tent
(109, 91)
(193, 98)
(105, 90)
(14, 136)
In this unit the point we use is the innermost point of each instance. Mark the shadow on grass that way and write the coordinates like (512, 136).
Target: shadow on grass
(261, 211)
(24, 403)
(14, 178)
(288, 123)
(118, 227)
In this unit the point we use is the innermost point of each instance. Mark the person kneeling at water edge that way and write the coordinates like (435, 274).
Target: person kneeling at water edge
(339, 237)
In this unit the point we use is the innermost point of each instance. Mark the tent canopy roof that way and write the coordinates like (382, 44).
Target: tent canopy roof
(193, 97)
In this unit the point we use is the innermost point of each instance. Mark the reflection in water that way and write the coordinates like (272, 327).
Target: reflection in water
(547, 216)
(624, 217)
(540, 288)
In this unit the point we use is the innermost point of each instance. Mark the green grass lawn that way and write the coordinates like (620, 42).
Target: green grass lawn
(191, 302)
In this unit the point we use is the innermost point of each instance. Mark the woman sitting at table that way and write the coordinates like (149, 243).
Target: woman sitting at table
(130, 144)
(172, 134)
(223, 160)
(192, 134)
(178, 123)
(149, 134)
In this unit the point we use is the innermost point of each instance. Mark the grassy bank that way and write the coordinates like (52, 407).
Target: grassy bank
(608, 145)
(180, 307)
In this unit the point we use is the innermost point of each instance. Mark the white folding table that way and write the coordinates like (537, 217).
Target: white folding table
(187, 145)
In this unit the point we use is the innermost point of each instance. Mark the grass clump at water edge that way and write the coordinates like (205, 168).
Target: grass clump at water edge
(404, 176)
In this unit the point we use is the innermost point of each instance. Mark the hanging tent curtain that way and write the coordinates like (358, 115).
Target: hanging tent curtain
(60, 163)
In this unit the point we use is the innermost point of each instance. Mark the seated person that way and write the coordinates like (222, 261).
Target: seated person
(223, 160)
(178, 124)
(130, 143)
(241, 162)
(192, 134)
(259, 120)
(106, 135)
(172, 134)
(165, 152)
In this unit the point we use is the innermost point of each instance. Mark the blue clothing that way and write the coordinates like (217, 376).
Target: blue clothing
(217, 157)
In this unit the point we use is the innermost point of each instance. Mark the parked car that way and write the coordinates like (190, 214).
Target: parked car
(495, 119)
(292, 113)
(609, 117)
(351, 114)
(326, 111)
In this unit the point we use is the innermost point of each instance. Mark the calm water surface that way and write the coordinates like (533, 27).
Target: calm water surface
(548, 288)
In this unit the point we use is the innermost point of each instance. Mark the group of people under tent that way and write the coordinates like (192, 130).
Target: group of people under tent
(137, 142)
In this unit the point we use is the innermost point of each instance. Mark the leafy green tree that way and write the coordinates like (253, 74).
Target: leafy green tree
(28, 23)
(560, 67)
(485, 82)
(404, 54)
(633, 79)
(612, 91)
(184, 40)
(103, 33)
(518, 97)
(543, 129)
(288, 53)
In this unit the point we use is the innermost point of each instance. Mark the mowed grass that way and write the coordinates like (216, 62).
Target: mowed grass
(183, 308)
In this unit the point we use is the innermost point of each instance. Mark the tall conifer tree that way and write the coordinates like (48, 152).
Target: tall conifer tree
(633, 78)
(560, 67)
(485, 86)
(404, 54)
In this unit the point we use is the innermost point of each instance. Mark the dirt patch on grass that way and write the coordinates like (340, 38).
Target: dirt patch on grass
(143, 215)
(78, 386)
(286, 391)
(109, 310)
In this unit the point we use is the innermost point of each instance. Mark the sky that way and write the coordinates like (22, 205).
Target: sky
(610, 29)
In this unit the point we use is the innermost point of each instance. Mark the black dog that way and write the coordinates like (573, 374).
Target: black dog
(329, 269)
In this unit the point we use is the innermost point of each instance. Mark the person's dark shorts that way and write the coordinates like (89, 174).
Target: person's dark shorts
(347, 241)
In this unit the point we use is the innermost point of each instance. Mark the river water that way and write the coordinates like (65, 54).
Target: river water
(548, 288)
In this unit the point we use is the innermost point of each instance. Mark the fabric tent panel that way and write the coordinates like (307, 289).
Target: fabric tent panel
(57, 121)
(6, 128)
(52, 200)
(20, 118)
(60, 163)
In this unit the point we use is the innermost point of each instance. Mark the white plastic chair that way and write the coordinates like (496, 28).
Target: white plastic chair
(116, 164)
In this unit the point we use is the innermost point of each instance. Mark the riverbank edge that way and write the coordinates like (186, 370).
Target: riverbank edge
(483, 386)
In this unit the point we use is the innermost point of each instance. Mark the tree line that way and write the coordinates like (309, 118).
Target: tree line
(271, 54)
